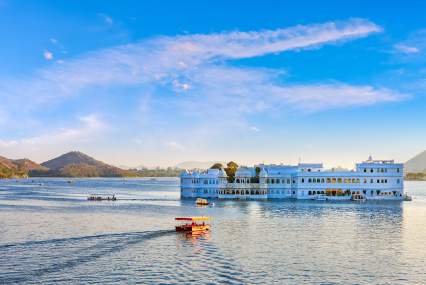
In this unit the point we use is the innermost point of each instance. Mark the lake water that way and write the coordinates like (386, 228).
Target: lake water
(52, 234)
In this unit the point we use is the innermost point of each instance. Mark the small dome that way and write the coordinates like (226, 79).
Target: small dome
(263, 173)
(222, 173)
(242, 172)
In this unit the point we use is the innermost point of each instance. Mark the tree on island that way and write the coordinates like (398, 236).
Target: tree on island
(217, 166)
(230, 171)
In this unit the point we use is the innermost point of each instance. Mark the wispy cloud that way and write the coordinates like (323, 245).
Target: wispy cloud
(192, 65)
(254, 129)
(48, 55)
(175, 145)
(107, 19)
(406, 49)
(53, 40)
(7, 144)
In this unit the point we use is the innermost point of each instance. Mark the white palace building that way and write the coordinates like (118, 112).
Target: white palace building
(375, 179)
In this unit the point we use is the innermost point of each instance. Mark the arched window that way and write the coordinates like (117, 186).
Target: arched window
(378, 180)
(232, 192)
(238, 180)
(288, 191)
(397, 170)
(228, 192)
(303, 180)
(386, 181)
(206, 182)
(283, 181)
(272, 192)
(309, 170)
(252, 192)
(328, 180)
(382, 169)
(339, 180)
(334, 180)
(371, 181)
(310, 180)
(257, 192)
(238, 192)
(397, 181)
(365, 170)
(357, 181)
(365, 180)
(357, 192)
(318, 180)
(382, 181)
(247, 192)
(248, 180)
(353, 180)
(288, 181)
(322, 180)
(349, 181)
(272, 181)
(345, 181)
(267, 181)
(278, 181)
(378, 170)
(314, 180)
(371, 170)
(314, 192)
(294, 181)
(242, 192)
(309, 193)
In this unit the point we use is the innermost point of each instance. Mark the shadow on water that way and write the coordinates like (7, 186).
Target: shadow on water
(115, 243)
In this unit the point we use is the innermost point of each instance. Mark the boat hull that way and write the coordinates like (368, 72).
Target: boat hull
(192, 229)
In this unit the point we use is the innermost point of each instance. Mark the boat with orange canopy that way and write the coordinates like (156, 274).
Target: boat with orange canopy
(192, 224)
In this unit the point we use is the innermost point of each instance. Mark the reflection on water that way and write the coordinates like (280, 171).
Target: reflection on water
(52, 234)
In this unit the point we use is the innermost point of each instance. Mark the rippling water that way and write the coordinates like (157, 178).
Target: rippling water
(52, 234)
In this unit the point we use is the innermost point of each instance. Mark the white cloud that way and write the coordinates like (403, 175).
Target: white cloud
(406, 49)
(195, 65)
(48, 55)
(254, 129)
(7, 144)
(175, 145)
(53, 40)
(106, 18)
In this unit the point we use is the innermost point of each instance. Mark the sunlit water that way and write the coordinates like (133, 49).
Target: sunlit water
(53, 234)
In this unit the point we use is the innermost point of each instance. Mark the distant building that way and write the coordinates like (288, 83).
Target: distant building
(376, 179)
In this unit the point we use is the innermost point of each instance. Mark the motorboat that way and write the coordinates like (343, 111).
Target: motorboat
(192, 224)
(358, 198)
(320, 197)
(70, 181)
(100, 198)
(201, 202)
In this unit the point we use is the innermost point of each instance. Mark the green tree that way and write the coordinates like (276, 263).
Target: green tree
(233, 165)
(257, 170)
(217, 166)
(230, 171)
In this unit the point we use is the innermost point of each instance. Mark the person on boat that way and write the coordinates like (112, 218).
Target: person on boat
(204, 223)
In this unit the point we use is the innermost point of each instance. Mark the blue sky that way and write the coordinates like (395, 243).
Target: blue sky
(161, 82)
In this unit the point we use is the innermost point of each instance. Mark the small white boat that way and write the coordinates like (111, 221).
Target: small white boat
(320, 197)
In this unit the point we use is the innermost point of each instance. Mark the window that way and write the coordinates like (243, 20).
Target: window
(371, 170)
(345, 181)
(267, 181)
(328, 180)
(278, 181)
(294, 192)
(283, 181)
(357, 181)
(309, 170)
(382, 170)
(353, 180)
(397, 170)
(310, 180)
(303, 180)
(318, 180)
(378, 180)
(272, 181)
(309, 193)
(397, 181)
(322, 180)
(371, 181)
(386, 181)
(294, 181)
(334, 180)
(378, 170)
(272, 191)
(302, 169)
(314, 180)
(382, 181)
(205, 182)
(386, 170)
(365, 180)
(365, 169)
(339, 180)
(288, 181)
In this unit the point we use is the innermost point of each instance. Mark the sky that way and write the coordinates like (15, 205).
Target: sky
(162, 82)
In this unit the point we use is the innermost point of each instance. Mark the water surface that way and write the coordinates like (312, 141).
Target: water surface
(52, 234)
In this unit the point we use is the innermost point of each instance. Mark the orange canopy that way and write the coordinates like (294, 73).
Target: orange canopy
(193, 219)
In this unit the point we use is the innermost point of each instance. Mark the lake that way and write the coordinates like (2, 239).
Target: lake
(53, 234)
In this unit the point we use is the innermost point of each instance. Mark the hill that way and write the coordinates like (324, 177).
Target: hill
(73, 158)
(78, 164)
(19, 167)
(417, 163)
(197, 164)
(338, 168)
